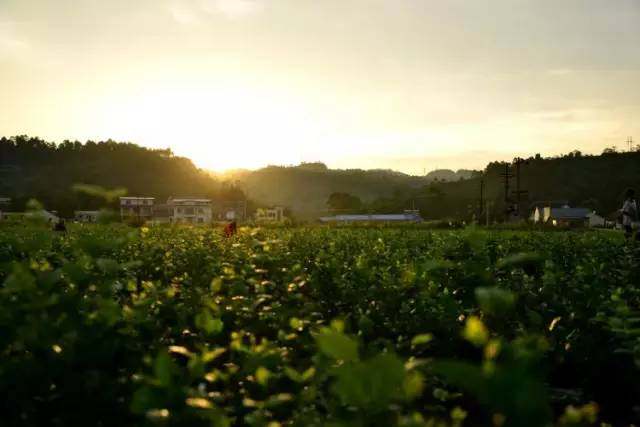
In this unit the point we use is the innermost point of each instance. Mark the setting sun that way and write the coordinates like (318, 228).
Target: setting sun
(219, 127)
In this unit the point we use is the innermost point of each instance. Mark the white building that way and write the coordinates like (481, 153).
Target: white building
(162, 214)
(50, 217)
(140, 208)
(596, 220)
(407, 216)
(275, 214)
(86, 216)
(190, 210)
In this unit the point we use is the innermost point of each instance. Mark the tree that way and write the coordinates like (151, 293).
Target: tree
(33, 168)
(344, 202)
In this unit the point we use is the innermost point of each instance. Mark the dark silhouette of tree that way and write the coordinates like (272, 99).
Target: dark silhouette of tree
(33, 168)
(344, 202)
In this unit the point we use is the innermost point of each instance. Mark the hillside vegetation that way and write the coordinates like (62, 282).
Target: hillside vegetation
(594, 181)
(306, 188)
(33, 168)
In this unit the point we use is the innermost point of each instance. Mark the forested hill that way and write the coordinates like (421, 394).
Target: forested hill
(593, 181)
(33, 168)
(306, 188)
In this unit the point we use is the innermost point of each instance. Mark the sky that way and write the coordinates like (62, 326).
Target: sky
(411, 85)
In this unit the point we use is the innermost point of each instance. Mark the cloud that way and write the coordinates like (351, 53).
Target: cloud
(560, 72)
(10, 43)
(189, 12)
(233, 9)
(182, 14)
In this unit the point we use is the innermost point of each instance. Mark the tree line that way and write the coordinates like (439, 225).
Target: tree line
(31, 168)
(597, 182)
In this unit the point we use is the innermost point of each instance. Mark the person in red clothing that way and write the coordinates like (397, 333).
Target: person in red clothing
(230, 229)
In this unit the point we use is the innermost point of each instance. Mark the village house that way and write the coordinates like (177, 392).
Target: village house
(138, 208)
(596, 220)
(50, 217)
(162, 214)
(537, 209)
(567, 217)
(270, 215)
(562, 216)
(86, 216)
(191, 210)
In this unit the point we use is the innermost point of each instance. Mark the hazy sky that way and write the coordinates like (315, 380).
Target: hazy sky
(403, 84)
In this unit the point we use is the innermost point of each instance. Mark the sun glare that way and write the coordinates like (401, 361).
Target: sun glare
(218, 128)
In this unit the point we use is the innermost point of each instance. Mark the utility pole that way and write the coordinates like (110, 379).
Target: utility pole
(487, 211)
(630, 143)
(506, 175)
(481, 210)
(519, 193)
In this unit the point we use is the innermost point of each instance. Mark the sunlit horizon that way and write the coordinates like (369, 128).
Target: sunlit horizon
(403, 85)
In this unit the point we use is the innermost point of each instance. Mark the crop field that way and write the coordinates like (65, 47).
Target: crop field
(114, 326)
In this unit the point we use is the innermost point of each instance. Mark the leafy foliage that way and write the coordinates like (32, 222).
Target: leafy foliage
(110, 325)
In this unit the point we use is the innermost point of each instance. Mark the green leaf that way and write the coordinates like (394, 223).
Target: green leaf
(524, 259)
(413, 385)
(209, 324)
(421, 339)
(495, 301)
(372, 384)
(163, 368)
(461, 374)
(262, 375)
(143, 399)
(475, 331)
(337, 345)
(292, 374)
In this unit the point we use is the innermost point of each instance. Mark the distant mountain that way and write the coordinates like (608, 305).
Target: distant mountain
(449, 175)
(594, 181)
(305, 188)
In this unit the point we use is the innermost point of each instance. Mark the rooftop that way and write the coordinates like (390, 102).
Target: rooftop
(187, 200)
(375, 217)
(570, 213)
(137, 198)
